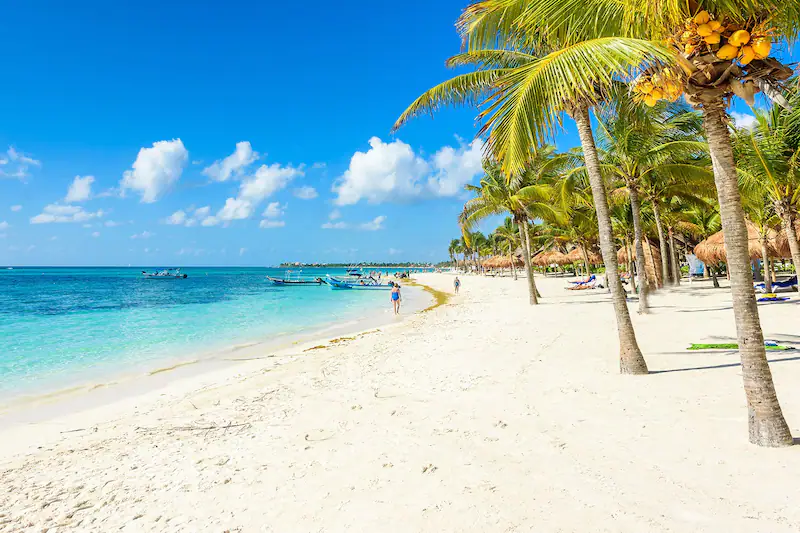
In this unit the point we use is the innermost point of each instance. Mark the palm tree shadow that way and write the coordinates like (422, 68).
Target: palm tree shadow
(726, 365)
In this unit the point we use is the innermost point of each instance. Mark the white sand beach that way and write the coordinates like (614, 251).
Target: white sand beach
(485, 414)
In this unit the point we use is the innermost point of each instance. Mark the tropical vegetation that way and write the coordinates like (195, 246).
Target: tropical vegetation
(651, 166)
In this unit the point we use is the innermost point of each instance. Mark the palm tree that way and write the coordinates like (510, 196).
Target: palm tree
(454, 249)
(768, 160)
(636, 144)
(496, 195)
(502, 72)
(509, 238)
(707, 69)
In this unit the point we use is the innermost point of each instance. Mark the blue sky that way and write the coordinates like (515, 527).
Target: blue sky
(202, 133)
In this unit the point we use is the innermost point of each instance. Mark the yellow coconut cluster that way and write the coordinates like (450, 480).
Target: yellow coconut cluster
(705, 34)
(650, 88)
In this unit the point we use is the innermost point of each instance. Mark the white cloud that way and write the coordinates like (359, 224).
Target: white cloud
(274, 210)
(306, 193)
(374, 224)
(268, 224)
(189, 217)
(96, 234)
(233, 165)
(80, 190)
(744, 120)
(21, 158)
(254, 190)
(56, 213)
(4, 225)
(16, 208)
(319, 166)
(156, 169)
(242, 251)
(455, 167)
(177, 218)
(17, 164)
(335, 215)
(393, 172)
(112, 224)
(142, 235)
(334, 225)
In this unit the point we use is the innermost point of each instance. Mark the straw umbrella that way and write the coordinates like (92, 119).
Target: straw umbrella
(712, 250)
(782, 241)
(652, 257)
(577, 255)
(550, 257)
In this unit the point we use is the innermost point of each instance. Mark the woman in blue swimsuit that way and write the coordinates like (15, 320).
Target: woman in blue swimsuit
(396, 298)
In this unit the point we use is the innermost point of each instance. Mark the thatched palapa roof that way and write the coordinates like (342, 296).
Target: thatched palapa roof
(575, 256)
(712, 250)
(551, 257)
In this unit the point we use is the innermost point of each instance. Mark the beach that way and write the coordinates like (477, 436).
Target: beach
(482, 414)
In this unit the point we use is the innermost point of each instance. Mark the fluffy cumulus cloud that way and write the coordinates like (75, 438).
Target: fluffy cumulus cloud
(306, 193)
(455, 167)
(188, 217)
(334, 225)
(177, 218)
(274, 210)
(744, 120)
(16, 208)
(57, 213)
(393, 172)
(142, 235)
(80, 189)
(111, 224)
(234, 165)
(253, 190)
(156, 169)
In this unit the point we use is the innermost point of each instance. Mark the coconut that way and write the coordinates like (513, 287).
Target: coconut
(728, 52)
(649, 100)
(689, 49)
(646, 87)
(739, 38)
(702, 18)
(746, 55)
(704, 30)
(761, 46)
(657, 93)
(715, 25)
(714, 38)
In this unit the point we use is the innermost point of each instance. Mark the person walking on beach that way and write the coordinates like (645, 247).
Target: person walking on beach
(396, 298)
(456, 284)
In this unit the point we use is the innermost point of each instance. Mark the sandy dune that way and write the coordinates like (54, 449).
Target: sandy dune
(483, 415)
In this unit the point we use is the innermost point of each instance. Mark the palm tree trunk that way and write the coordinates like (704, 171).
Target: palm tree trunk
(788, 228)
(644, 285)
(765, 261)
(631, 360)
(676, 264)
(585, 260)
(767, 425)
(662, 244)
(511, 259)
(629, 266)
(526, 257)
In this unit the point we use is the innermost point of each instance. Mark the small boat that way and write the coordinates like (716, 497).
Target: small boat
(167, 273)
(360, 284)
(289, 281)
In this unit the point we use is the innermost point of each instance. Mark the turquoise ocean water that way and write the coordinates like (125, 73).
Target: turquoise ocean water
(60, 324)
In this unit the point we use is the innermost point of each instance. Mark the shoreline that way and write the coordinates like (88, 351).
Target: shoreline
(140, 379)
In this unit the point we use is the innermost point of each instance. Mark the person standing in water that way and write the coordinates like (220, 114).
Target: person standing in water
(396, 298)
(456, 284)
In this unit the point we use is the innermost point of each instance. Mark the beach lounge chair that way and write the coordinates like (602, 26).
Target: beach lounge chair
(790, 283)
(583, 286)
(590, 279)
